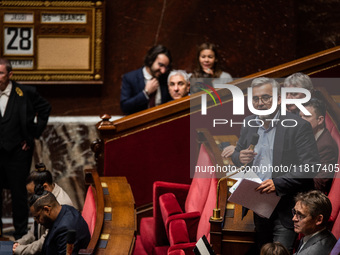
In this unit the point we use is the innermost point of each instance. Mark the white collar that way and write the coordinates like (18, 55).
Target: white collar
(146, 75)
(317, 135)
(7, 90)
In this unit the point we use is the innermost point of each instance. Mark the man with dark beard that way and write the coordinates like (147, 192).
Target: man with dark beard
(147, 87)
(286, 142)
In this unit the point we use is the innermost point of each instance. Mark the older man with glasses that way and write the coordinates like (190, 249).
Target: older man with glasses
(279, 146)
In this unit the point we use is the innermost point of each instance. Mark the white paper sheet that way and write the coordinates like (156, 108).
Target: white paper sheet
(246, 195)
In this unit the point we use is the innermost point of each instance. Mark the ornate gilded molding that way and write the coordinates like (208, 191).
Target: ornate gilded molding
(22, 3)
(61, 77)
(27, 77)
(98, 41)
(72, 4)
(9, 3)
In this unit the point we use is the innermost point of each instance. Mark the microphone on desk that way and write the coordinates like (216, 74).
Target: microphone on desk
(71, 238)
(217, 210)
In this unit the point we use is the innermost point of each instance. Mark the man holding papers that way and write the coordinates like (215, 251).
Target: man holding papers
(281, 159)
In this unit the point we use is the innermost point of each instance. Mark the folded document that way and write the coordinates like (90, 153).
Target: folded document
(263, 204)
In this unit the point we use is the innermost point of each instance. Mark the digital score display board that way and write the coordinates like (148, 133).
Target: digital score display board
(53, 41)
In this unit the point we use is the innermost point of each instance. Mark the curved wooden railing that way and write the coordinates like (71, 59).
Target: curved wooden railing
(115, 226)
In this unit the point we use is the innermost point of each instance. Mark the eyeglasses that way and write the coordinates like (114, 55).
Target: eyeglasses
(265, 99)
(298, 215)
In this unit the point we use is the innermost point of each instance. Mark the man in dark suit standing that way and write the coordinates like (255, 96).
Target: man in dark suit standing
(59, 220)
(327, 147)
(287, 145)
(20, 105)
(147, 87)
(310, 215)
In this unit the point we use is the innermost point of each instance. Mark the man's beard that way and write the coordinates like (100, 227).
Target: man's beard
(48, 223)
(156, 74)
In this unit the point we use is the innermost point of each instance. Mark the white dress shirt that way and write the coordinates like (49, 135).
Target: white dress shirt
(4, 96)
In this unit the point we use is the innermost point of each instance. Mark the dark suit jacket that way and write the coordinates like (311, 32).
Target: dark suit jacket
(68, 219)
(24, 104)
(320, 244)
(336, 249)
(328, 152)
(132, 98)
(293, 146)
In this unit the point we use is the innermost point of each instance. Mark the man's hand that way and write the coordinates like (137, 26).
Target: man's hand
(151, 85)
(228, 151)
(15, 245)
(24, 146)
(247, 156)
(266, 186)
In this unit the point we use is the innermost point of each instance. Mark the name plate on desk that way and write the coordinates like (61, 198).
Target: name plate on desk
(53, 41)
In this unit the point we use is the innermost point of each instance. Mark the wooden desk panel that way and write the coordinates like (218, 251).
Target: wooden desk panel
(118, 233)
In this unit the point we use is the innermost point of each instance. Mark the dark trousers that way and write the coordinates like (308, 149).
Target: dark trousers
(14, 169)
(271, 230)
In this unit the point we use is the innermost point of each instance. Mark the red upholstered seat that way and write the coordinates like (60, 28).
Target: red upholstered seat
(334, 193)
(147, 234)
(138, 248)
(334, 197)
(187, 248)
(152, 230)
(187, 203)
(332, 128)
(179, 232)
(89, 212)
(336, 227)
(176, 252)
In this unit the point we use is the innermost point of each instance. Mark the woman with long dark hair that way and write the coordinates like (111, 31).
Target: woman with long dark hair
(208, 63)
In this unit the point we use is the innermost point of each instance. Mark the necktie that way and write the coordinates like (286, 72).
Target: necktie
(152, 99)
(300, 245)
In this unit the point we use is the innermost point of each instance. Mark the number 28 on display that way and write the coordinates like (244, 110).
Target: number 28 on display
(18, 41)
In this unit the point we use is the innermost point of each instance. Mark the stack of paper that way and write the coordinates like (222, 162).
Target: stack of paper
(246, 195)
